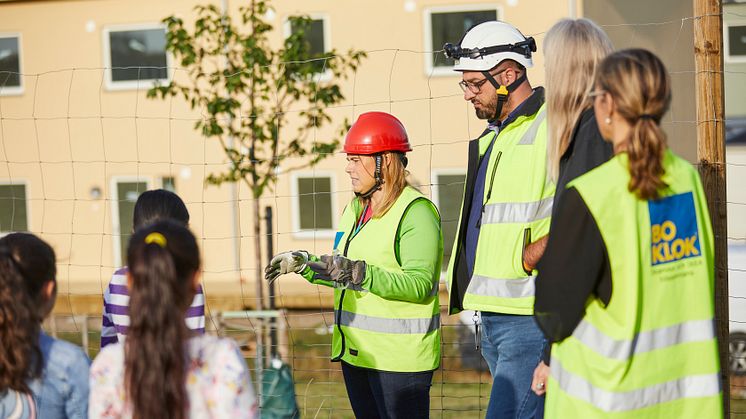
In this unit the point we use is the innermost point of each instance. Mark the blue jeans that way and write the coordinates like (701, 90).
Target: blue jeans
(383, 394)
(512, 345)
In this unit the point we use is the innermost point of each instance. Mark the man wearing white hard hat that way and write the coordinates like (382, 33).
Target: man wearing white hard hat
(505, 213)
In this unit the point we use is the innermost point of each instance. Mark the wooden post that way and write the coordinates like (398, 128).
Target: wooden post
(708, 62)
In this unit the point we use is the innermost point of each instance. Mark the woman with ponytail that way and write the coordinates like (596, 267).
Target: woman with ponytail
(626, 295)
(40, 377)
(164, 370)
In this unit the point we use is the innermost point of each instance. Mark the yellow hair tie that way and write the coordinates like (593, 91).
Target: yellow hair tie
(157, 238)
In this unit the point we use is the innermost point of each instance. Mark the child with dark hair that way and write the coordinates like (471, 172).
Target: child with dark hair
(39, 376)
(151, 206)
(163, 370)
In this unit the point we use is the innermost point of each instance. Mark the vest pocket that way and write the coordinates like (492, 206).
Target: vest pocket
(526, 242)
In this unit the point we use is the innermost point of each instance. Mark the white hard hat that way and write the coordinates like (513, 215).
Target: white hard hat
(488, 44)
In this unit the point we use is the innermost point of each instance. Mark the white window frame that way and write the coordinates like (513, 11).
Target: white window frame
(726, 43)
(131, 84)
(18, 182)
(428, 35)
(295, 207)
(436, 196)
(287, 30)
(15, 90)
(113, 194)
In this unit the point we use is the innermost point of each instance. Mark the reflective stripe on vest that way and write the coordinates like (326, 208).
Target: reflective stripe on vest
(705, 385)
(517, 212)
(691, 331)
(386, 325)
(530, 136)
(502, 288)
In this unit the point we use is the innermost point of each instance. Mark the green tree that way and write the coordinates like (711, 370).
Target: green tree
(245, 87)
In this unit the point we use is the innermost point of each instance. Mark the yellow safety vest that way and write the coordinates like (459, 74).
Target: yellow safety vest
(652, 352)
(374, 332)
(517, 206)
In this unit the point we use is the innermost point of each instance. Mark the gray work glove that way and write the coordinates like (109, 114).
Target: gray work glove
(286, 262)
(339, 269)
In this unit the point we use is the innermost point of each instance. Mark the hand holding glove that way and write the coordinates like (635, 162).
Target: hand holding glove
(286, 262)
(339, 269)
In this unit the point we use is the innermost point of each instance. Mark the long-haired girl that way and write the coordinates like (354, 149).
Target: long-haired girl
(162, 369)
(39, 376)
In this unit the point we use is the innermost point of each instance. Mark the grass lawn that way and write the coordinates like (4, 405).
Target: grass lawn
(737, 408)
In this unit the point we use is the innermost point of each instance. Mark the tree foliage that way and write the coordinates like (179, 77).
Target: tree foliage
(246, 87)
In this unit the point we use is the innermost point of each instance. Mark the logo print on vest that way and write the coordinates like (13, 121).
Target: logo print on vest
(674, 232)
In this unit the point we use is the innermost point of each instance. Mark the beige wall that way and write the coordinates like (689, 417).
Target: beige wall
(736, 195)
(664, 27)
(67, 133)
(735, 71)
(735, 107)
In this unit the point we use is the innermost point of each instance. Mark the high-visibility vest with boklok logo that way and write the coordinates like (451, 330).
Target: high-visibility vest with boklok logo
(517, 207)
(374, 332)
(652, 352)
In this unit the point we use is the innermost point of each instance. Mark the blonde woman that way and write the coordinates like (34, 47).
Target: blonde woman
(573, 50)
(385, 269)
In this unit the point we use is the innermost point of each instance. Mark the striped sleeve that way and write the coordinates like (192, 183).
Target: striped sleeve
(108, 328)
(195, 315)
(116, 308)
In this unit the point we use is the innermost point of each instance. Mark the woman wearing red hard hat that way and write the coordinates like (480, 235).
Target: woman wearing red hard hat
(385, 268)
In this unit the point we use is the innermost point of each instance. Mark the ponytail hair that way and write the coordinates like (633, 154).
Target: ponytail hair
(27, 263)
(640, 85)
(163, 259)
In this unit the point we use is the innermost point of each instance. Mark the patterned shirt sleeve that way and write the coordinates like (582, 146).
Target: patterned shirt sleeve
(232, 393)
(106, 398)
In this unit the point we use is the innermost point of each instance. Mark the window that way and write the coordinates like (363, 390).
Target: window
(10, 64)
(168, 183)
(317, 38)
(13, 210)
(314, 208)
(126, 193)
(735, 43)
(449, 24)
(448, 191)
(134, 55)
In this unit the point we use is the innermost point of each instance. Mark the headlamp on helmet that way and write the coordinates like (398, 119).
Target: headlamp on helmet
(456, 52)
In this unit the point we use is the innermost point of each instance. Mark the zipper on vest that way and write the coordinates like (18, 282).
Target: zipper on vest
(489, 191)
(338, 317)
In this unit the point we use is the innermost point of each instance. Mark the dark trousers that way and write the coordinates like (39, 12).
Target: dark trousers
(382, 394)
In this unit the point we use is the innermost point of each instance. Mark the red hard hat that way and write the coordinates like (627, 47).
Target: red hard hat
(376, 132)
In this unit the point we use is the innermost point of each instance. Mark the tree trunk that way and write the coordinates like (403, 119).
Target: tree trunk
(259, 278)
(708, 62)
